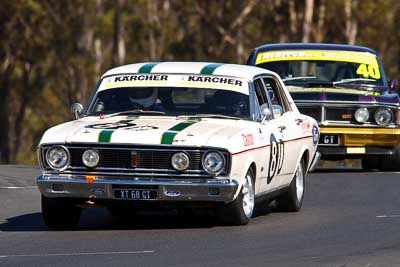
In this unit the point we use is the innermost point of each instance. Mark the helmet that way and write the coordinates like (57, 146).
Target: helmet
(144, 97)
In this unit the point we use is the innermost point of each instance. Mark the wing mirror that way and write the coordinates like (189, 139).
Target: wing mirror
(77, 110)
(266, 112)
(393, 84)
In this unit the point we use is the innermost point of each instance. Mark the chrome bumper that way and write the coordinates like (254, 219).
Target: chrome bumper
(218, 190)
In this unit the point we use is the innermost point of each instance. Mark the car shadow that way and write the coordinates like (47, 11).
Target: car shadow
(339, 169)
(100, 219)
(31, 222)
(95, 219)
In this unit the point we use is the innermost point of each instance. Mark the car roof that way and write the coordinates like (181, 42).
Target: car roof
(207, 68)
(316, 46)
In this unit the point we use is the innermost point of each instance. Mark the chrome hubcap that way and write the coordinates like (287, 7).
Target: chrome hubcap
(248, 196)
(300, 182)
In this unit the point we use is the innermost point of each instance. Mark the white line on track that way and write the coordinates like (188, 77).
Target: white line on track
(79, 254)
(388, 216)
(18, 187)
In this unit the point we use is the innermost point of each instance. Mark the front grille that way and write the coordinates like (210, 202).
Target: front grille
(149, 161)
(146, 159)
(314, 112)
(339, 114)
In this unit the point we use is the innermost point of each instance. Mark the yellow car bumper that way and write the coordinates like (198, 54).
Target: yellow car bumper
(360, 142)
(359, 137)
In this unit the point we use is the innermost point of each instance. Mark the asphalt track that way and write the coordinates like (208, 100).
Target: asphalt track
(349, 218)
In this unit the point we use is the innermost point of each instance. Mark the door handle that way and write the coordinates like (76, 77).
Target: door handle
(281, 128)
(298, 121)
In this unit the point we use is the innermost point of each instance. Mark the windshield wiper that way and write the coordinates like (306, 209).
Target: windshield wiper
(299, 78)
(218, 116)
(138, 111)
(353, 80)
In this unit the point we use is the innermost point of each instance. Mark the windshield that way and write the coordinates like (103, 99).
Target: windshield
(318, 68)
(170, 101)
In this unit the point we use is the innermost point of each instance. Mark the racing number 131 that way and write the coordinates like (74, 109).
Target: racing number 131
(276, 157)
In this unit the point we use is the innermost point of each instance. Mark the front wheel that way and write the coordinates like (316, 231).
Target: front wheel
(293, 198)
(371, 163)
(60, 213)
(239, 211)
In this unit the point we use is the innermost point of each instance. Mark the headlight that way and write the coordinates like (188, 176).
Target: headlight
(361, 115)
(57, 157)
(90, 158)
(213, 162)
(180, 161)
(383, 116)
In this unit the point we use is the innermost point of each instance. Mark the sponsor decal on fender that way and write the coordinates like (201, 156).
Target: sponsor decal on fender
(248, 139)
(315, 135)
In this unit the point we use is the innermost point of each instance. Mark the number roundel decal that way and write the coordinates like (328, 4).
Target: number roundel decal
(276, 157)
(123, 124)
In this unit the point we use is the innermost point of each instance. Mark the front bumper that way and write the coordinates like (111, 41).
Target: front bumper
(360, 142)
(215, 190)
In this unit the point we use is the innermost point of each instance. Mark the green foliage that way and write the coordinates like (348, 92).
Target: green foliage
(52, 52)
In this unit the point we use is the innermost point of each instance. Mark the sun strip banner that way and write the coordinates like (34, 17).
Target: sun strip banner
(328, 55)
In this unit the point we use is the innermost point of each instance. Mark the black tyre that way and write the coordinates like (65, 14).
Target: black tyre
(371, 163)
(239, 211)
(293, 198)
(60, 213)
(391, 163)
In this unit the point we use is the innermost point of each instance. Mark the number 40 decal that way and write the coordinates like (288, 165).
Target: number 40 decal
(276, 157)
(368, 71)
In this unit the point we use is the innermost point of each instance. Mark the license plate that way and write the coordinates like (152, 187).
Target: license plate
(135, 194)
(329, 140)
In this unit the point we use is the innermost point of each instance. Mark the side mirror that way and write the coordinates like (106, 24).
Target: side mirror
(77, 110)
(266, 112)
(277, 110)
(392, 84)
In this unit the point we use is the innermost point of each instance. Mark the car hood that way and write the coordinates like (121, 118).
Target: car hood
(343, 95)
(146, 130)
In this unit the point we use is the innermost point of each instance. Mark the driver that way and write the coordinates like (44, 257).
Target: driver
(143, 97)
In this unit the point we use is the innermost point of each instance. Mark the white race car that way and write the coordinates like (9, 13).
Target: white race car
(178, 134)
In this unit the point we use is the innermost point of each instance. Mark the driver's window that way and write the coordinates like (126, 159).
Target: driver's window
(264, 106)
(278, 100)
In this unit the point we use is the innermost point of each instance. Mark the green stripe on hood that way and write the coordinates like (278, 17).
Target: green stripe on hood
(147, 67)
(209, 69)
(105, 136)
(168, 137)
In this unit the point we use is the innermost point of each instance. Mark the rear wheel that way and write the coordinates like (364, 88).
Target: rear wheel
(293, 198)
(239, 211)
(60, 213)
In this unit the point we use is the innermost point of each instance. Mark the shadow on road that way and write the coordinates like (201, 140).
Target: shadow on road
(24, 223)
(339, 170)
(100, 219)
